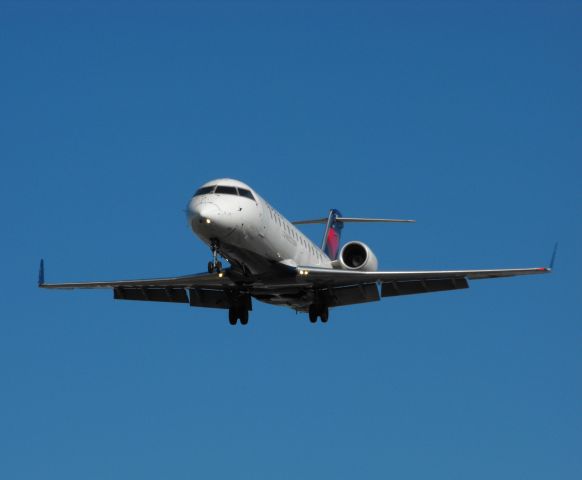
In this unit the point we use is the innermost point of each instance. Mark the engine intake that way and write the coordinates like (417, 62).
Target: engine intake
(358, 256)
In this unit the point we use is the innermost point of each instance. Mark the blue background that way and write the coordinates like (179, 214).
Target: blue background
(464, 116)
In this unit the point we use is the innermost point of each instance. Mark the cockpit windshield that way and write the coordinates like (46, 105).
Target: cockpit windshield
(225, 190)
(204, 190)
(243, 192)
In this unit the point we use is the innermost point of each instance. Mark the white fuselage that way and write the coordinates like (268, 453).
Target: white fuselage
(248, 230)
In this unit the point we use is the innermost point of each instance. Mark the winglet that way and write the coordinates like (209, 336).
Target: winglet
(554, 256)
(41, 273)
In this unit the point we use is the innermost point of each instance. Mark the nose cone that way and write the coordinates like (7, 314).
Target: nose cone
(206, 213)
(207, 219)
(203, 212)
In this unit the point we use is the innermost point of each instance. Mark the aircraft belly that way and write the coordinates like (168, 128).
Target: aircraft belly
(245, 254)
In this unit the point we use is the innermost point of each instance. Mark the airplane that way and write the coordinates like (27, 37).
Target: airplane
(272, 261)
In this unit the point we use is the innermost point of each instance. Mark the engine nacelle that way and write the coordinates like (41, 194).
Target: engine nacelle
(357, 256)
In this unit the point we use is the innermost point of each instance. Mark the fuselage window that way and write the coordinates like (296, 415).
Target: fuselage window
(226, 190)
(204, 190)
(243, 192)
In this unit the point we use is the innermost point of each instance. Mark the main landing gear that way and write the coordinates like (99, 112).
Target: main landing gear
(214, 265)
(239, 313)
(320, 311)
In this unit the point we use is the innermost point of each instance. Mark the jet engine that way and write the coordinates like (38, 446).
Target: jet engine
(357, 256)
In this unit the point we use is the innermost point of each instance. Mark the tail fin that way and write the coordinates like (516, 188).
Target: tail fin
(332, 235)
(334, 224)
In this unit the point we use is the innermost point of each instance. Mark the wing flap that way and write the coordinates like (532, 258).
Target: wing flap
(149, 294)
(339, 296)
(409, 287)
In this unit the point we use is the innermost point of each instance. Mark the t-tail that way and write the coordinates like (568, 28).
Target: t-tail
(332, 235)
(334, 225)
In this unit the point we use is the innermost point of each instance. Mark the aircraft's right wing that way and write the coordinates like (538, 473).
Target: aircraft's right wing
(217, 290)
(202, 280)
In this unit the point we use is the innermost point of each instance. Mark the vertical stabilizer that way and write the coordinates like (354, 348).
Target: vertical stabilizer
(332, 235)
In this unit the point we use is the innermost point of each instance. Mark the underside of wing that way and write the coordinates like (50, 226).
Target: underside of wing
(298, 288)
(214, 290)
(342, 287)
(209, 280)
(345, 277)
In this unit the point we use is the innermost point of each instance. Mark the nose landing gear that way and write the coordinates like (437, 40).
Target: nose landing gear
(214, 265)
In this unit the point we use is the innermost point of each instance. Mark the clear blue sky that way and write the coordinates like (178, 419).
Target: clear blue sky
(466, 117)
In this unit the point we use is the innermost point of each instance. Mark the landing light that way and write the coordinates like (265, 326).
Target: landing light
(220, 275)
(207, 220)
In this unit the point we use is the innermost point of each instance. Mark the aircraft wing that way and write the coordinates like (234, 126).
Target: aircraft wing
(341, 287)
(203, 280)
(332, 276)
(206, 289)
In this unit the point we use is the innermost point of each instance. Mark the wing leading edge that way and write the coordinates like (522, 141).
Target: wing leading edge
(345, 277)
(336, 277)
(340, 287)
(303, 285)
(202, 280)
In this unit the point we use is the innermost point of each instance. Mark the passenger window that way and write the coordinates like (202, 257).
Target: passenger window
(226, 190)
(204, 190)
(243, 192)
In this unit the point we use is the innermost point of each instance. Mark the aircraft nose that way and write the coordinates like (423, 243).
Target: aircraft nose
(203, 213)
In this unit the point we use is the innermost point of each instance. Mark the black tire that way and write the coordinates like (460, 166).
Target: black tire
(232, 316)
(218, 267)
(312, 314)
(324, 315)
(210, 267)
(244, 316)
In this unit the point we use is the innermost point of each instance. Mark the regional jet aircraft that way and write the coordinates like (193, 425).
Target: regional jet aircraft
(274, 262)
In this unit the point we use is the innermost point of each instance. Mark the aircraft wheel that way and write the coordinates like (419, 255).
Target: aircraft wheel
(210, 267)
(312, 314)
(244, 316)
(232, 316)
(324, 315)
(218, 267)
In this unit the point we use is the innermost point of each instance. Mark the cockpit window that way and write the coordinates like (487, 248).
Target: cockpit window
(226, 190)
(204, 190)
(243, 192)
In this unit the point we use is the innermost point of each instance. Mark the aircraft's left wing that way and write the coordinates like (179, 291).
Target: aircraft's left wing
(341, 277)
(336, 277)
(341, 287)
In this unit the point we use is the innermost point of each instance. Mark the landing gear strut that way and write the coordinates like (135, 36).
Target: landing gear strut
(320, 311)
(214, 265)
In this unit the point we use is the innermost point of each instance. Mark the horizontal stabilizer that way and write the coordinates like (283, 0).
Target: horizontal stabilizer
(352, 220)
